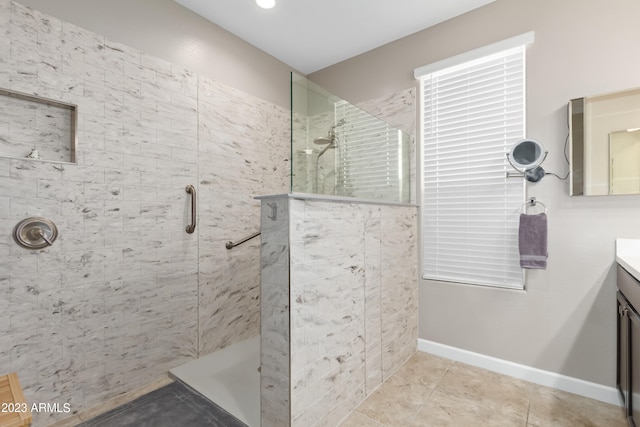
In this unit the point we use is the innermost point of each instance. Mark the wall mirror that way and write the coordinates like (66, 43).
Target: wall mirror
(526, 156)
(604, 132)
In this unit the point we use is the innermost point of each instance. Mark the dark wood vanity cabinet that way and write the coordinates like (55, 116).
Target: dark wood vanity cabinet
(628, 352)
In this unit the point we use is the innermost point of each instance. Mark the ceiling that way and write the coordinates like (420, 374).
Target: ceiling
(309, 35)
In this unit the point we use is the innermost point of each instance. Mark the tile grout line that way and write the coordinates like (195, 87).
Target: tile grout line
(531, 392)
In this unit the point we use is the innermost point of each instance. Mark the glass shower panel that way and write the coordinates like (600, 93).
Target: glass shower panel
(339, 149)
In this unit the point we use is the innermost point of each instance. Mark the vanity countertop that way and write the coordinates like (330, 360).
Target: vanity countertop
(628, 255)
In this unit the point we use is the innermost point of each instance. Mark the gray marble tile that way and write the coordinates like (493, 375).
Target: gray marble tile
(275, 318)
(340, 346)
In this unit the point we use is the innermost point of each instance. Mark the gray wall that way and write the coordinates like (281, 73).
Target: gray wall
(565, 321)
(167, 30)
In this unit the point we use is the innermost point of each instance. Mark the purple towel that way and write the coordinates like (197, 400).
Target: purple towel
(532, 241)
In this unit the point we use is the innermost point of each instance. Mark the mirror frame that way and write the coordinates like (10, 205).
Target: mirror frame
(595, 115)
(529, 166)
(576, 150)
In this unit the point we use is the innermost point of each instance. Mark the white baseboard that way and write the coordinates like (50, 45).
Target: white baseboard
(527, 373)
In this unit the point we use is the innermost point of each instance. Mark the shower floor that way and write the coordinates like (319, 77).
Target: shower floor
(172, 405)
(228, 377)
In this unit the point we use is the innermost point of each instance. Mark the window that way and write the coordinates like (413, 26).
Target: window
(472, 111)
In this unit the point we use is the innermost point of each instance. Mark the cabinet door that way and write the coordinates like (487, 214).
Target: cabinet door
(634, 366)
(622, 371)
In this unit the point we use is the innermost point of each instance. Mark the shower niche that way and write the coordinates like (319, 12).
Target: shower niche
(36, 128)
(338, 149)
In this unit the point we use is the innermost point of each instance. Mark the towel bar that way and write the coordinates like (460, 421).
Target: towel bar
(532, 202)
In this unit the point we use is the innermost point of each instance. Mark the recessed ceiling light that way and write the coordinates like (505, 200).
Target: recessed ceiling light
(266, 4)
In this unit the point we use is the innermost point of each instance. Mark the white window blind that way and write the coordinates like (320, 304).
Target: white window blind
(369, 155)
(472, 113)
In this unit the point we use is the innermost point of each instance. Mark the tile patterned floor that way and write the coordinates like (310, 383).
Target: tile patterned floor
(433, 391)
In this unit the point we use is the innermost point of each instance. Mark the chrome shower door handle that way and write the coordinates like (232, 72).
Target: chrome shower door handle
(192, 227)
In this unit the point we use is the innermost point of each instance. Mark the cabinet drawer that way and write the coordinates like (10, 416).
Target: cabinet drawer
(629, 286)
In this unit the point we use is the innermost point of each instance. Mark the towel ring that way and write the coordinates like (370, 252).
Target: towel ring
(532, 202)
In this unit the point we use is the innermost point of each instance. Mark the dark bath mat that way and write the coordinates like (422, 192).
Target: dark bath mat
(173, 405)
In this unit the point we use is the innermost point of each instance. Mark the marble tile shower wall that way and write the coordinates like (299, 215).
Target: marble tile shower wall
(305, 154)
(275, 373)
(302, 175)
(244, 153)
(113, 303)
(353, 308)
(319, 126)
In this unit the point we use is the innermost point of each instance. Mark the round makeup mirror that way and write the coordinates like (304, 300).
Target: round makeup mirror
(526, 156)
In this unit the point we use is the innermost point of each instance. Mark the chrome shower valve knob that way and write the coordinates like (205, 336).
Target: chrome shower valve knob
(35, 233)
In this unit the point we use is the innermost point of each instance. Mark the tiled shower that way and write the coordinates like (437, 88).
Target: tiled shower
(125, 294)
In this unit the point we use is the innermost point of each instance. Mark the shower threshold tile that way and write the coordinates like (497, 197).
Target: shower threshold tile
(172, 405)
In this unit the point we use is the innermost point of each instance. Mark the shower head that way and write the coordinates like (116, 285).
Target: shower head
(322, 140)
(329, 139)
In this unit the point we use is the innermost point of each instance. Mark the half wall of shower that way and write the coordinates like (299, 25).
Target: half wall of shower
(339, 149)
(338, 264)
